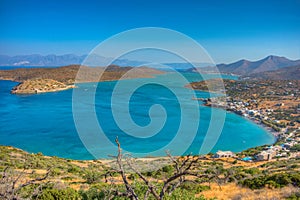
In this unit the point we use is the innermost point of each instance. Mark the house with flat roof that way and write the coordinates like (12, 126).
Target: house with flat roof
(266, 155)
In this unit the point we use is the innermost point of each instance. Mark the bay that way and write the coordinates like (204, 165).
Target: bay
(44, 122)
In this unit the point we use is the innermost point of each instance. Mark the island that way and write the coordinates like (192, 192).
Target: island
(34, 86)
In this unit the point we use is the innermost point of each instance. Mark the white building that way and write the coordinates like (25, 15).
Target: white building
(224, 154)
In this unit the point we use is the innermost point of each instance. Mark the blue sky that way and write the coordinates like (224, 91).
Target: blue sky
(228, 29)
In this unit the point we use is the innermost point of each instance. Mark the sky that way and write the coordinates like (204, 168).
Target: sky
(228, 30)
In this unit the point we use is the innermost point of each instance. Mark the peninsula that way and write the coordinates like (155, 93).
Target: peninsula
(39, 80)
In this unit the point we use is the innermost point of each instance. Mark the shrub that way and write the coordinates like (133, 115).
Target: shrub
(295, 147)
(253, 171)
(92, 193)
(295, 196)
(59, 194)
(73, 169)
(276, 180)
(168, 169)
(194, 187)
(254, 183)
(92, 177)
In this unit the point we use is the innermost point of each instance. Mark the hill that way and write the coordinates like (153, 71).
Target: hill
(40, 80)
(287, 73)
(245, 67)
(67, 74)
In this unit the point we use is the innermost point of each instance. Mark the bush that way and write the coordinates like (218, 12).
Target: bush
(55, 171)
(276, 180)
(295, 196)
(254, 183)
(92, 177)
(253, 171)
(168, 169)
(194, 187)
(73, 169)
(295, 147)
(92, 193)
(59, 194)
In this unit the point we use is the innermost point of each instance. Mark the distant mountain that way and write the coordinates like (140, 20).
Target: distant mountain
(245, 67)
(61, 60)
(70, 59)
(286, 73)
(187, 66)
(39, 60)
(241, 67)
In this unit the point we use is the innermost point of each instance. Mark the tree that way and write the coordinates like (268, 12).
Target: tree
(12, 182)
(187, 166)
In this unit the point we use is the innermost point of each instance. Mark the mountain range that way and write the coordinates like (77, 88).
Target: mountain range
(246, 67)
(242, 67)
(62, 60)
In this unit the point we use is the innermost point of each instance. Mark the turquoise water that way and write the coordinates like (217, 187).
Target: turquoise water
(44, 122)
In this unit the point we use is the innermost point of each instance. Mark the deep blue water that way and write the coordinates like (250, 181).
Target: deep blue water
(44, 122)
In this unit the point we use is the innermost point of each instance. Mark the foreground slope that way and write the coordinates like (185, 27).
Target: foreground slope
(221, 178)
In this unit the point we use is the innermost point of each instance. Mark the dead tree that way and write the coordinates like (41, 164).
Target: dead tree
(11, 183)
(187, 167)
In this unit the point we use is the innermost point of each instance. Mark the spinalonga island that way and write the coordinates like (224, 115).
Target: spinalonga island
(36, 86)
(41, 80)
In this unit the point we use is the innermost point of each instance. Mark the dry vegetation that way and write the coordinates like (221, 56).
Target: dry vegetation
(189, 177)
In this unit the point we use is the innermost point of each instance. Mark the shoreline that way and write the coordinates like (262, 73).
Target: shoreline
(149, 158)
(14, 91)
(38, 86)
(268, 129)
(67, 87)
(259, 123)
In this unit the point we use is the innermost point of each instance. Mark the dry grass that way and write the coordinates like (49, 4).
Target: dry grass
(233, 191)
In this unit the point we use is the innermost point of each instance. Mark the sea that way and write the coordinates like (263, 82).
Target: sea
(149, 116)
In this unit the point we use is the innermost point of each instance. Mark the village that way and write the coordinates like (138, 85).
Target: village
(272, 104)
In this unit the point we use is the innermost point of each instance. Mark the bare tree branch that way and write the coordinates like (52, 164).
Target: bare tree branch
(183, 169)
(122, 172)
(151, 188)
(10, 183)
